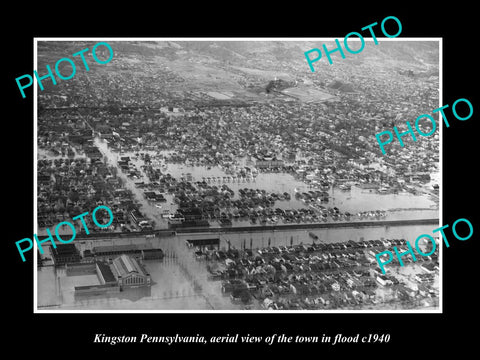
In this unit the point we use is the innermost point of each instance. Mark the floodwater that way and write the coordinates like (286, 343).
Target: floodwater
(398, 206)
(180, 281)
(355, 200)
(260, 239)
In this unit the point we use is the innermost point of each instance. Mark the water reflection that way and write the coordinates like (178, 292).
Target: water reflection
(181, 282)
(399, 206)
(131, 294)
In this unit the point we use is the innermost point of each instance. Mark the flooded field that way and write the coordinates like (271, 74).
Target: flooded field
(172, 288)
(180, 281)
(298, 154)
(399, 206)
(354, 200)
(402, 206)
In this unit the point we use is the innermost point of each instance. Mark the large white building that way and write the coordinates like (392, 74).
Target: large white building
(129, 272)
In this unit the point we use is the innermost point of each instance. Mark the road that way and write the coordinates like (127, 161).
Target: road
(195, 272)
(149, 210)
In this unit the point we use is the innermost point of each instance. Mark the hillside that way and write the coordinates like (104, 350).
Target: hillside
(241, 70)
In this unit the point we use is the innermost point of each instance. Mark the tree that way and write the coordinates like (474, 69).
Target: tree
(59, 206)
(73, 195)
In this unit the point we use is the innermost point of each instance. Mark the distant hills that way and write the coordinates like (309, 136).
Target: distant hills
(243, 68)
(264, 54)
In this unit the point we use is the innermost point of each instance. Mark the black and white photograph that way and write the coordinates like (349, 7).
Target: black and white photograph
(279, 181)
(237, 178)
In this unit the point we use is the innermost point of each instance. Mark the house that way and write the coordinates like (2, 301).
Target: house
(191, 214)
(93, 153)
(429, 267)
(383, 280)
(263, 162)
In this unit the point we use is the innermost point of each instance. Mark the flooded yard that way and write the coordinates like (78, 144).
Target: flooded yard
(397, 206)
(180, 282)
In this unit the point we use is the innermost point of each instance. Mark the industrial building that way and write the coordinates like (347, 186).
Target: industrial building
(114, 275)
(63, 254)
(141, 251)
(129, 272)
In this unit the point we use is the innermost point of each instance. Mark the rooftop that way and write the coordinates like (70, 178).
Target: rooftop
(106, 272)
(125, 265)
